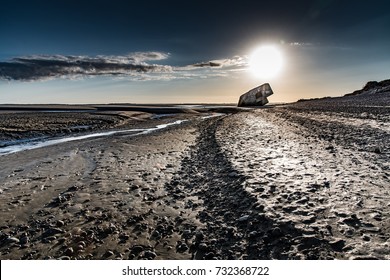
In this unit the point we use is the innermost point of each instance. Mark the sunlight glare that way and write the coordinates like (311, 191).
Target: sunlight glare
(266, 62)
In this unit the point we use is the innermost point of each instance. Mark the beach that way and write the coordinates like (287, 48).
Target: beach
(308, 180)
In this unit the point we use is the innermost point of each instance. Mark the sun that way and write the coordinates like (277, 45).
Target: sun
(266, 62)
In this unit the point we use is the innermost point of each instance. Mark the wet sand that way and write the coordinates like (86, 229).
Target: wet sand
(305, 181)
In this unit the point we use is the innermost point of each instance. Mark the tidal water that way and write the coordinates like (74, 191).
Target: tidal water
(29, 144)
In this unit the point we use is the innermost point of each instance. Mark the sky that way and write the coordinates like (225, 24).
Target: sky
(188, 51)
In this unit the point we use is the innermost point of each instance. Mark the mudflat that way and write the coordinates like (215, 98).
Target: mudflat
(308, 180)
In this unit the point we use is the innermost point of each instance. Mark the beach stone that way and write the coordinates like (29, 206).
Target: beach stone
(150, 255)
(199, 236)
(12, 240)
(202, 247)
(276, 232)
(182, 248)
(209, 256)
(309, 220)
(366, 238)
(309, 242)
(187, 234)
(52, 231)
(252, 234)
(243, 219)
(69, 251)
(24, 239)
(108, 254)
(73, 189)
(337, 245)
(256, 96)
(60, 223)
(233, 174)
(136, 250)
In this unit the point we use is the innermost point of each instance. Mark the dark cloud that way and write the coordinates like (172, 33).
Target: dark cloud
(207, 64)
(133, 66)
(47, 67)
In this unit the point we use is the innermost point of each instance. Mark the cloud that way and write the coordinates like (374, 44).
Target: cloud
(34, 68)
(300, 44)
(134, 66)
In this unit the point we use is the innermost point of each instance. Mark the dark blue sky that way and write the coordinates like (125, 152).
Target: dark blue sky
(327, 35)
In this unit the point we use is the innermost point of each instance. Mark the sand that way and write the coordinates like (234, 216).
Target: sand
(303, 181)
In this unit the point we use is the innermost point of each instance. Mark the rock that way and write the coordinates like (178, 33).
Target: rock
(136, 250)
(276, 232)
(51, 232)
(252, 234)
(12, 240)
(337, 245)
(202, 247)
(187, 234)
(108, 254)
(309, 242)
(60, 223)
(243, 219)
(366, 238)
(309, 220)
(209, 256)
(182, 248)
(73, 189)
(199, 236)
(24, 239)
(69, 251)
(150, 255)
(233, 175)
(256, 96)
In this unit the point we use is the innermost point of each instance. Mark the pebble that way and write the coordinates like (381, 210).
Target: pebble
(199, 236)
(24, 239)
(276, 232)
(52, 231)
(69, 251)
(209, 256)
(252, 234)
(11, 240)
(61, 240)
(337, 245)
(108, 254)
(187, 234)
(366, 238)
(150, 255)
(202, 247)
(136, 250)
(60, 223)
(233, 174)
(309, 220)
(156, 234)
(182, 248)
(309, 242)
(244, 218)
